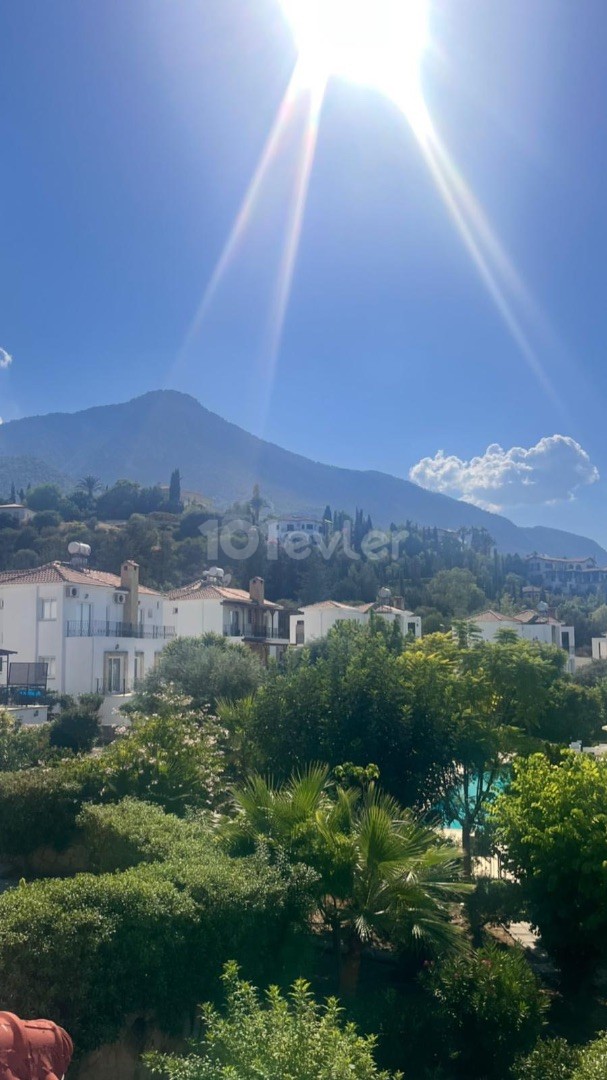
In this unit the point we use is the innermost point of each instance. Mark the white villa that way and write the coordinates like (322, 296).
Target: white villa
(280, 529)
(314, 621)
(530, 625)
(94, 631)
(208, 606)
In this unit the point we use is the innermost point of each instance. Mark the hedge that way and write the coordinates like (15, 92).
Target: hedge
(39, 807)
(90, 950)
(130, 832)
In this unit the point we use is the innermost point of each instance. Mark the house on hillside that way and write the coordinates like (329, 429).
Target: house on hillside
(561, 575)
(314, 621)
(20, 514)
(96, 632)
(209, 606)
(281, 529)
(537, 625)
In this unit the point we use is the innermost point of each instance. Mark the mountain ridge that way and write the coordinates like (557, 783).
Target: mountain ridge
(145, 438)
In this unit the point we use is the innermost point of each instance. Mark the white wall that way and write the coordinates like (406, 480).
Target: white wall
(79, 661)
(319, 620)
(191, 618)
(599, 648)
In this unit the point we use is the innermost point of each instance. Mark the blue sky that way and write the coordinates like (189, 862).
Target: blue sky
(130, 130)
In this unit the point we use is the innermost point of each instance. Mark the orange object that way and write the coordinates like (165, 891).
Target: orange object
(33, 1049)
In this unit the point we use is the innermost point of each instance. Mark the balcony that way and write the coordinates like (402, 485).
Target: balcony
(100, 628)
(118, 687)
(19, 696)
(255, 633)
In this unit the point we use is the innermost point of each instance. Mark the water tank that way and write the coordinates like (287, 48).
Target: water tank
(216, 571)
(385, 593)
(81, 550)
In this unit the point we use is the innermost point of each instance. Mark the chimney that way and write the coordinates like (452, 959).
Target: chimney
(398, 602)
(129, 581)
(257, 589)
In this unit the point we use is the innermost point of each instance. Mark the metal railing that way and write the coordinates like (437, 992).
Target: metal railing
(255, 633)
(120, 688)
(100, 628)
(260, 634)
(24, 695)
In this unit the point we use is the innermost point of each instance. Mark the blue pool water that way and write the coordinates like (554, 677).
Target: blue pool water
(498, 785)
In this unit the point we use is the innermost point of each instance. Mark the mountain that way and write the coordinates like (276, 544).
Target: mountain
(25, 470)
(146, 438)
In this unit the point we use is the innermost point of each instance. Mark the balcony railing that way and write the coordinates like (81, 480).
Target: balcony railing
(117, 688)
(257, 633)
(100, 628)
(24, 695)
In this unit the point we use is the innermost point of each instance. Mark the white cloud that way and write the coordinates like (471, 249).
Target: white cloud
(549, 472)
(5, 359)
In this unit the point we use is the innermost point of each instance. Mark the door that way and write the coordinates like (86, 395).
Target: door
(114, 679)
(85, 618)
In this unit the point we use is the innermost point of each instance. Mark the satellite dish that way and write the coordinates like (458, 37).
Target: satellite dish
(227, 579)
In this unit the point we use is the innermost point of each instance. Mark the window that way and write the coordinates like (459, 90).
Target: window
(48, 609)
(50, 662)
(139, 667)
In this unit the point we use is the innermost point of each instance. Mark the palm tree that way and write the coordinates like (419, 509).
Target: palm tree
(383, 876)
(89, 484)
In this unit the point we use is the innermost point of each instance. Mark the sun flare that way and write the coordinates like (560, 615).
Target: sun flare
(378, 43)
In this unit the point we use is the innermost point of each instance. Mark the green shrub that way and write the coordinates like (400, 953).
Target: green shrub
(494, 901)
(77, 725)
(553, 825)
(290, 1037)
(170, 758)
(20, 746)
(130, 832)
(489, 1009)
(551, 1059)
(88, 951)
(593, 1061)
(38, 807)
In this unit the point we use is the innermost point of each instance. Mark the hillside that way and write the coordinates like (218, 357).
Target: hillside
(144, 439)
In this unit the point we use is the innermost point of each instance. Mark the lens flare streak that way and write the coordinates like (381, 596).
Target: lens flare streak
(401, 82)
(293, 232)
(247, 209)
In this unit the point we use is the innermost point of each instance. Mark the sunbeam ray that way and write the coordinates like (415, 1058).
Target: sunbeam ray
(281, 123)
(499, 276)
(293, 232)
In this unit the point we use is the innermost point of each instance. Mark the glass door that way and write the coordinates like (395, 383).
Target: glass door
(114, 680)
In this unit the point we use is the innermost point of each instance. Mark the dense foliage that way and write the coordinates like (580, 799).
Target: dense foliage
(89, 950)
(381, 875)
(171, 758)
(489, 1009)
(21, 746)
(205, 669)
(552, 824)
(280, 1037)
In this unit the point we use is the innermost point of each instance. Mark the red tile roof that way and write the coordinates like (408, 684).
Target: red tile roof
(526, 617)
(201, 590)
(56, 573)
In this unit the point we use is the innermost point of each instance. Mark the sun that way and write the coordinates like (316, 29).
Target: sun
(377, 43)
